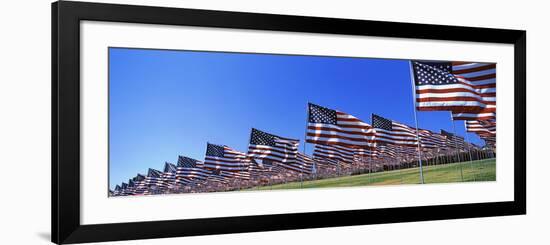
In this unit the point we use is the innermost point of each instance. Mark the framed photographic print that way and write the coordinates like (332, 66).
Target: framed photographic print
(177, 122)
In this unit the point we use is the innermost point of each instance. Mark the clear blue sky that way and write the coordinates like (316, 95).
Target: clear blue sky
(168, 103)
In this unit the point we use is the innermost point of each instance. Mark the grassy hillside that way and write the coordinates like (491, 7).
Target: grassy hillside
(482, 170)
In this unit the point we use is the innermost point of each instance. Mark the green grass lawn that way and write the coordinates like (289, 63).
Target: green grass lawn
(482, 170)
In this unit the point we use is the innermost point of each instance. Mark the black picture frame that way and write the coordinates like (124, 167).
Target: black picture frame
(66, 17)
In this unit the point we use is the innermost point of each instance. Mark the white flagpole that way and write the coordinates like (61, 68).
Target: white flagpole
(416, 121)
(304, 148)
(469, 150)
(456, 146)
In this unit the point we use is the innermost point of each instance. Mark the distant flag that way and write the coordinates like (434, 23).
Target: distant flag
(154, 178)
(335, 153)
(274, 148)
(363, 155)
(190, 170)
(215, 177)
(256, 170)
(118, 190)
(481, 127)
(269, 146)
(243, 175)
(482, 114)
(386, 151)
(407, 152)
(124, 188)
(391, 132)
(304, 164)
(429, 139)
(141, 185)
(453, 140)
(224, 158)
(489, 139)
(331, 127)
(457, 87)
(169, 174)
(131, 187)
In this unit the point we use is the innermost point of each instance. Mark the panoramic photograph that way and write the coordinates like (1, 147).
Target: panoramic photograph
(187, 121)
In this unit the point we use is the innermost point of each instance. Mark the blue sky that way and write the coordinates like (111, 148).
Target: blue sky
(166, 103)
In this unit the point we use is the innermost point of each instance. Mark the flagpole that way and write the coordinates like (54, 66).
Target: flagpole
(469, 150)
(456, 146)
(305, 142)
(416, 121)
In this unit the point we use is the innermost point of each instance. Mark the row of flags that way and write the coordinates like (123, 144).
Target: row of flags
(466, 89)
(338, 138)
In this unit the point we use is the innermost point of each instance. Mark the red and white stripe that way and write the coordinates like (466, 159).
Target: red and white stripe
(400, 134)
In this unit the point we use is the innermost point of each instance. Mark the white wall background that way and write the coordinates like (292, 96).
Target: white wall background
(25, 121)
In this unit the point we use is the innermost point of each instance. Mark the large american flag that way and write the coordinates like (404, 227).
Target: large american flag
(190, 170)
(483, 77)
(224, 158)
(335, 153)
(391, 132)
(331, 127)
(463, 88)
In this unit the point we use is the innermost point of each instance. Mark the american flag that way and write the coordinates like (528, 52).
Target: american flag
(482, 114)
(221, 157)
(489, 139)
(453, 141)
(335, 153)
(385, 151)
(118, 190)
(141, 184)
(483, 77)
(215, 177)
(458, 87)
(131, 187)
(243, 175)
(154, 178)
(304, 164)
(169, 174)
(274, 148)
(190, 170)
(331, 127)
(124, 188)
(429, 139)
(391, 132)
(481, 127)
(257, 171)
(407, 152)
(273, 167)
(365, 154)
